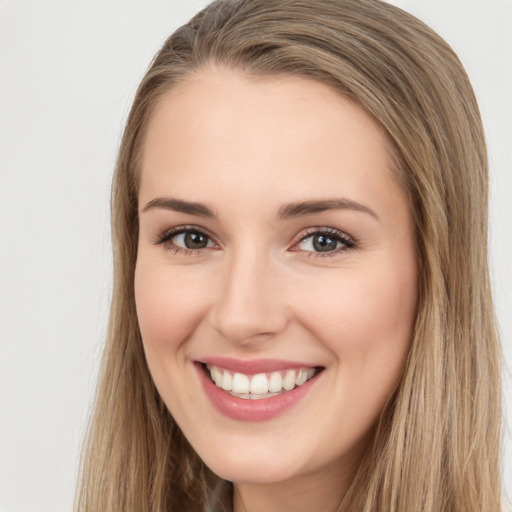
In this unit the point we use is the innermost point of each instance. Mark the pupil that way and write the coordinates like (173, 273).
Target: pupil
(195, 240)
(323, 243)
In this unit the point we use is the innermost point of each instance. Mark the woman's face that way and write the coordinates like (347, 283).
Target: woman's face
(275, 246)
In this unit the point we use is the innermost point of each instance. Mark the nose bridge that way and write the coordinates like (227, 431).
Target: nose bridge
(248, 304)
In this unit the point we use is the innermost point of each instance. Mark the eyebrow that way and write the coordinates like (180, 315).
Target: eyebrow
(288, 211)
(318, 206)
(178, 205)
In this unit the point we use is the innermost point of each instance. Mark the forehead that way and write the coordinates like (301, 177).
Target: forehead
(290, 134)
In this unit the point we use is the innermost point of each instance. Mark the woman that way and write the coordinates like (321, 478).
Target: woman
(301, 302)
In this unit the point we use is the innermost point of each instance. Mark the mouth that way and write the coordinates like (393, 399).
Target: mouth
(256, 390)
(259, 386)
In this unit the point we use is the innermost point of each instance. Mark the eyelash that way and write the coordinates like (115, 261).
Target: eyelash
(334, 234)
(166, 237)
(331, 233)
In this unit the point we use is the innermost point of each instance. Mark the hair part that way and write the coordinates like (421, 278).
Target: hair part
(436, 448)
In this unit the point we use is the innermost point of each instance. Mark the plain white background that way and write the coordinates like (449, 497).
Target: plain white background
(68, 72)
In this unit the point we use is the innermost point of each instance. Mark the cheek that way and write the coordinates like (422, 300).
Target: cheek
(168, 307)
(366, 319)
(367, 325)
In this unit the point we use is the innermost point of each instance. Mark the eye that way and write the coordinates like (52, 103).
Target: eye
(325, 241)
(191, 240)
(185, 239)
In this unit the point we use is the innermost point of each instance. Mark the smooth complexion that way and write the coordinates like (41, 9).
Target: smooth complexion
(272, 165)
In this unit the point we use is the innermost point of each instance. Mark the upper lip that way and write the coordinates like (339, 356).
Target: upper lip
(254, 366)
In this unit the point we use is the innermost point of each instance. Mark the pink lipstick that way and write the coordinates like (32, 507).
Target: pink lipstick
(256, 390)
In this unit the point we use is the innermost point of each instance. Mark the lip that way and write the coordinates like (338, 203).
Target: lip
(241, 409)
(252, 367)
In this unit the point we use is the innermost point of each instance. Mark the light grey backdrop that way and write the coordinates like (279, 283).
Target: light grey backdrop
(68, 71)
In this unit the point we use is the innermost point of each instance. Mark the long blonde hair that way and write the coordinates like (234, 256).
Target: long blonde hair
(437, 445)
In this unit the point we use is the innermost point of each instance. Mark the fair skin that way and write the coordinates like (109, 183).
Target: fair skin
(327, 283)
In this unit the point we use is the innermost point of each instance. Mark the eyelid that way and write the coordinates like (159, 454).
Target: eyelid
(165, 237)
(338, 235)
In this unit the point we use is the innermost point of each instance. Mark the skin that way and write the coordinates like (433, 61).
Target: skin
(246, 147)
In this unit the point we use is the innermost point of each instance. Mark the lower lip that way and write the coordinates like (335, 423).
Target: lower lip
(252, 410)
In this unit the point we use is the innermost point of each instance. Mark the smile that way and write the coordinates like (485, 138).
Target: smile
(261, 385)
(256, 390)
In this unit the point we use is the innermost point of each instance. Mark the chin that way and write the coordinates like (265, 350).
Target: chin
(253, 473)
(256, 466)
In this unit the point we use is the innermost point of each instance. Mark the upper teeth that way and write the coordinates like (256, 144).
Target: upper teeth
(261, 383)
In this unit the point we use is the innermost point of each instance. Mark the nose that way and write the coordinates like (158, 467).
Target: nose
(250, 304)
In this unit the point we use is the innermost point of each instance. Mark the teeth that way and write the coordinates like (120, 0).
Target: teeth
(301, 378)
(252, 396)
(227, 382)
(216, 376)
(275, 383)
(240, 383)
(260, 385)
(289, 380)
